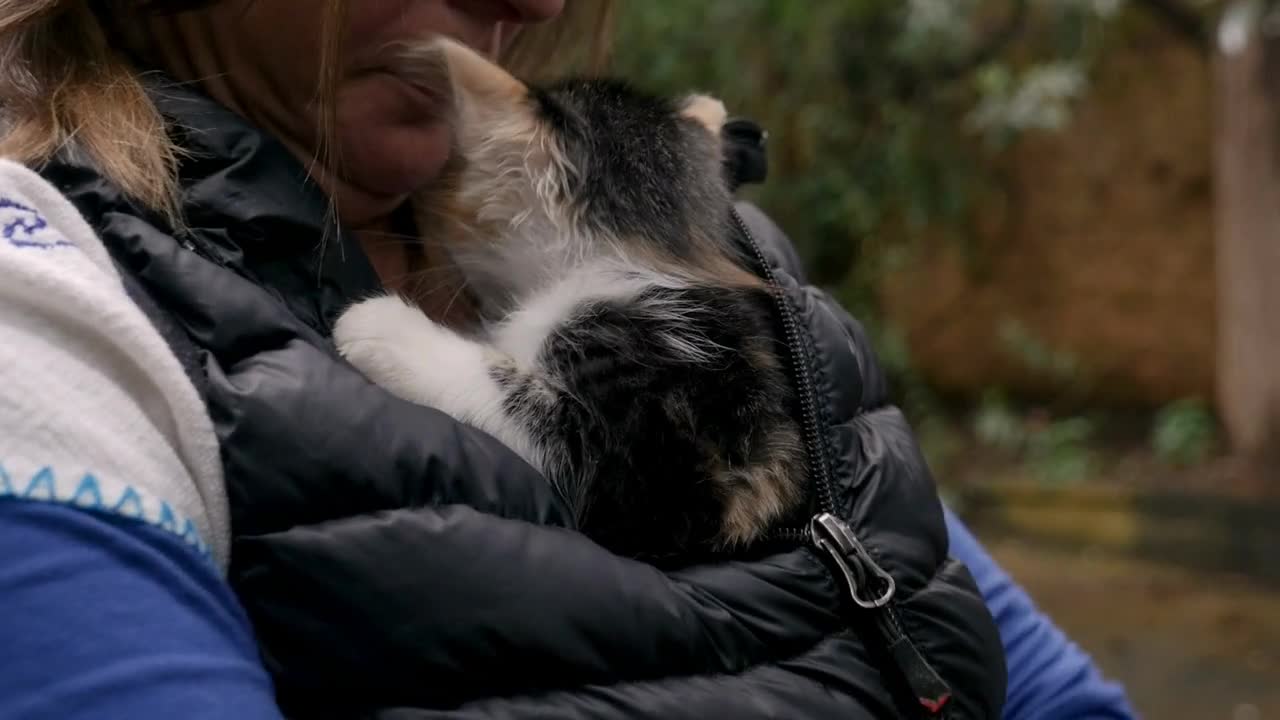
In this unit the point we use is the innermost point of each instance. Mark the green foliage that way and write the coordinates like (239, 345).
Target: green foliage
(939, 441)
(1066, 449)
(873, 106)
(1184, 433)
(1036, 99)
(1055, 450)
(1036, 354)
(1062, 368)
(995, 424)
(1062, 452)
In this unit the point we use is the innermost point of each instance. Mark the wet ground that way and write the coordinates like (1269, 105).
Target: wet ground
(1187, 645)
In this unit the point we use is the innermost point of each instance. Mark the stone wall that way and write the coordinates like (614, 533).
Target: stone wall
(1103, 249)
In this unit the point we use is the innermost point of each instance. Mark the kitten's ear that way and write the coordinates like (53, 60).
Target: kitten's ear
(474, 82)
(705, 110)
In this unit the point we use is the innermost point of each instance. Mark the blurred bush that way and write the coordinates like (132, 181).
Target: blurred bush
(873, 106)
(1184, 433)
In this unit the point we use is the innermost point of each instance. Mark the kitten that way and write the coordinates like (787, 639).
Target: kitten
(626, 352)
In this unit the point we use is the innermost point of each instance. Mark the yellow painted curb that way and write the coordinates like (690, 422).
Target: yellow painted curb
(1209, 532)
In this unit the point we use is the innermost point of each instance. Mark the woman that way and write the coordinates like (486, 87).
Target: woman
(177, 424)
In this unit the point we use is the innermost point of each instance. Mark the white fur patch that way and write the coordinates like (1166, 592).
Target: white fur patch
(707, 110)
(400, 349)
(524, 333)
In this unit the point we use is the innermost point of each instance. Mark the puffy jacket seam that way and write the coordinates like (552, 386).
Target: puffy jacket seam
(690, 591)
(872, 545)
(678, 587)
(727, 674)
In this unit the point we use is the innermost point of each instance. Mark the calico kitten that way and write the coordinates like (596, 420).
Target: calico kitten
(626, 351)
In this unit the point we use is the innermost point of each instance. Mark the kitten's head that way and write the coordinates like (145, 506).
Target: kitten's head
(545, 177)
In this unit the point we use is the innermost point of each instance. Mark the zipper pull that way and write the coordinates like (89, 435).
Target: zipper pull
(834, 537)
(872, 588)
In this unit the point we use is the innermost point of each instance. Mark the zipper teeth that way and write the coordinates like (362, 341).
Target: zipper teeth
(808, 405)
(809, 410)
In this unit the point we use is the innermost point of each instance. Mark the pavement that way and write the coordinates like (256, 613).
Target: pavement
(1188, 644)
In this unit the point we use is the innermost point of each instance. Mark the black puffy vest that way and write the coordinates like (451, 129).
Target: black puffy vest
(398, 564)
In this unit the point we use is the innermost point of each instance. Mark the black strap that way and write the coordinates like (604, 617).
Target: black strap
(745, 158)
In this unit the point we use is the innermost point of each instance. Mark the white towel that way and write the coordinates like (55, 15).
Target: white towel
(95, 410)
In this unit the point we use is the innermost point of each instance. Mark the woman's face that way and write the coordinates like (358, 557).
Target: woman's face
(262, 57)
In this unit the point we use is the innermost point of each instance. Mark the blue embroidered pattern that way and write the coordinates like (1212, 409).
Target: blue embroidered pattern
(87, 493)
(24, 227)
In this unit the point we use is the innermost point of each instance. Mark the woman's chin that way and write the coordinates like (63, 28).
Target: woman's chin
(396, 160)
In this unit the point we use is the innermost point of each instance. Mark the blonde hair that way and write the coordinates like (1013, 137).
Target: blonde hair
(64, 82)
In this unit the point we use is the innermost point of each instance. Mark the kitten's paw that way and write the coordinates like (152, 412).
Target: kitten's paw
(372, 324)
(402, 350)
(383, 338)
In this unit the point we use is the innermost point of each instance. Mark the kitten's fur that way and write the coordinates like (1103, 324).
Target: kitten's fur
(626, 352)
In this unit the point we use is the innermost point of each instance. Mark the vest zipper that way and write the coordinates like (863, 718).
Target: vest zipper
(867, 585)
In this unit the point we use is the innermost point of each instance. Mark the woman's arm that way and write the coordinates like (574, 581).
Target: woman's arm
(105, 617)
(1050, 678)
(112, 519)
